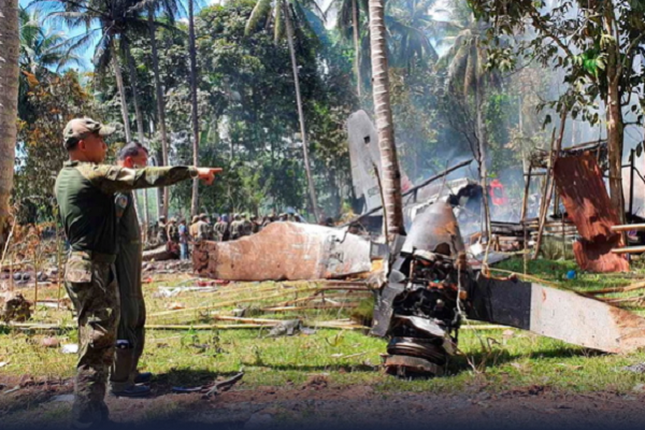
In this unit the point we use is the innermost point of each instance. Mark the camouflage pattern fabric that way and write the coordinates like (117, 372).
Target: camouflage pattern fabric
(92, 286)
(173, 233)
(247, 227)
(221, 228)
(85, 195)
(87, 207)
(204, 231)
(236, 229)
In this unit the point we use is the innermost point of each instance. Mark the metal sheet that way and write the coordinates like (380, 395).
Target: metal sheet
(558, 314)
(434, 229)
(285, 251)
(364, 155)
(579, 181)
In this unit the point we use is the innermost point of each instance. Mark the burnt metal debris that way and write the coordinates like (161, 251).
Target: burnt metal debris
(419, 307)
(430, 289)
(285, 251)
(581, 187)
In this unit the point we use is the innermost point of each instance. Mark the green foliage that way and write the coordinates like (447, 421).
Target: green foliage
(52, 102)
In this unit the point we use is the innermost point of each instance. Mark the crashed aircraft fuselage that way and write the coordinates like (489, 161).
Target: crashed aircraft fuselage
(430, 288)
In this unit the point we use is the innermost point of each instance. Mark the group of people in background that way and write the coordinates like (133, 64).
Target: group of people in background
(175, 232)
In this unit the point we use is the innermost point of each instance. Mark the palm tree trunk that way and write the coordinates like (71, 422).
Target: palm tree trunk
(9, 71)
(357, 51)
(391, 174)
(194, 207)
(161, 108)
(301, 115)
(121, 87)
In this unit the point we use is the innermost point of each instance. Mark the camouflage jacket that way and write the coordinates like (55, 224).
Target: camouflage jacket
(87, 207)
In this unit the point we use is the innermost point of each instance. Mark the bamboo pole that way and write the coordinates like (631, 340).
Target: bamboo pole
(633, 287)
(628, 227)
(629, 250)
(550, 181)
(230, 303)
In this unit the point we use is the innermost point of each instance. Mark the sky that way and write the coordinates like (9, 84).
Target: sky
(87, 55)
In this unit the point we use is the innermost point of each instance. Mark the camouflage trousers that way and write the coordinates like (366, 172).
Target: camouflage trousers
(92, 286)
(130, 332)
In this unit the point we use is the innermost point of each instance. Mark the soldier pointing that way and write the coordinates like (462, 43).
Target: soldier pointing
(85, 190)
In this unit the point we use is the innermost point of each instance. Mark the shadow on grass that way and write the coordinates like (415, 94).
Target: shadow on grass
(482, 359)
(348, 368)
(186, 378)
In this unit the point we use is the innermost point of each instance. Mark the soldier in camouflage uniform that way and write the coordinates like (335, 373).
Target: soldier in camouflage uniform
(194, 228)
(172, 231)
(162, 234)
(205, 230)
(221, 229)
(247, 226)
(85, 191)
(236, 227)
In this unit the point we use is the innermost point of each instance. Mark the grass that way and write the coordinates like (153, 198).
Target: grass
(492, 360)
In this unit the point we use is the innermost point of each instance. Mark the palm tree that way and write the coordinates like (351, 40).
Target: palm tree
(43, 51)
(282, 13)
(42, 54)
(349, 14)
(194, 208)
(170, 8)
(410, 24)
(391, 174)
(468, 77)
(9, 72)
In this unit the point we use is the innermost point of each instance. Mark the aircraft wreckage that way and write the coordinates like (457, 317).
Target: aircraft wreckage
(429, 289)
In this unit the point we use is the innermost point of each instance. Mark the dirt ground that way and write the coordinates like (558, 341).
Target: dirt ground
(317, 404)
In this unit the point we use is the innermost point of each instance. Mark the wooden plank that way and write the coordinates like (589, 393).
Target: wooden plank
(629, 250)
(628, 227)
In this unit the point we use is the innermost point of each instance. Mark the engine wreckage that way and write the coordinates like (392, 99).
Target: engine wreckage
(429, 290)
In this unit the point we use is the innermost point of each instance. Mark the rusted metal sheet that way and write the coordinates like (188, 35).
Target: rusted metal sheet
(559, 314)
(285, 251)
(579, 181)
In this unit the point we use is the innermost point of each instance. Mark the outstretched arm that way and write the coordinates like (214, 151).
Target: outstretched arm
(114, 179)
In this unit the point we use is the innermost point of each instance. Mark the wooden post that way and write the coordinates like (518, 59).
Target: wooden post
(550, 181)
(525, 203)
(631, 182)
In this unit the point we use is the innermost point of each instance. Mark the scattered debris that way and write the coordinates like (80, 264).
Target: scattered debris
(50, 342)
(167, 292)
(175, 306)
(212, 389)
(70, 348)
(286, 328)
(14, 307)
(636, 368)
